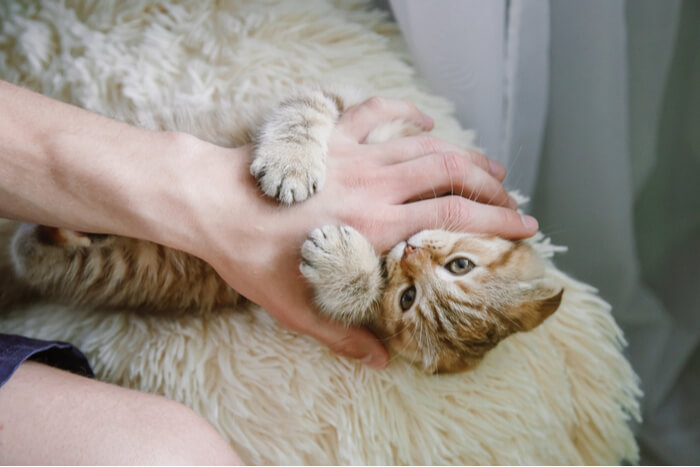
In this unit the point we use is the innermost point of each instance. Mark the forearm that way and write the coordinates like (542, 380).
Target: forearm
(63, 166)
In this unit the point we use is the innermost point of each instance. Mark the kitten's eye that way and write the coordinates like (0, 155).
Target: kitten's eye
(407, 298)
(459, 266)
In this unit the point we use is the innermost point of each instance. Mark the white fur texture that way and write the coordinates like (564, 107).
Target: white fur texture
(562, 394)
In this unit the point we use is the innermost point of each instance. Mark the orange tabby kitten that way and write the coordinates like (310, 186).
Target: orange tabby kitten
(440, 299)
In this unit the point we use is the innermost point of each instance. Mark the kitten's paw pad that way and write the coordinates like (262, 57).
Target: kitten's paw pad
(289, 173)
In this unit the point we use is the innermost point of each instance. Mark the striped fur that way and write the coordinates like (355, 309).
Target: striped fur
(116, 272)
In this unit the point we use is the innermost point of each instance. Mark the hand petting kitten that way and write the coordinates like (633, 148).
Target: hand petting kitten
(199, 198)
(441, 299)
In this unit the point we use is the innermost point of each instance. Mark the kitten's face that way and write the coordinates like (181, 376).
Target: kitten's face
(451, 297)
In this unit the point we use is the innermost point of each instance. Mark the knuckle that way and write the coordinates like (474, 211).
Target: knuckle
(491, 190)
(452, 163)
(503, 219)
(479, 159)
(502, 195)
(510, 217)
(429, 144)
(375, 103)
(362, 181)
(454, 209)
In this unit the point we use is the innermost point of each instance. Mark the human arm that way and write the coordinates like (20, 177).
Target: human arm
(64, 166)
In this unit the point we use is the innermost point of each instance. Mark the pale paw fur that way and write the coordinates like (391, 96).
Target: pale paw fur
(289, 160)
(289, 172)
(345, 273)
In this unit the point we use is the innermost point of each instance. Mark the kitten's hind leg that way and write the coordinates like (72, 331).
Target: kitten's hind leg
(345, 273)
(289, 159)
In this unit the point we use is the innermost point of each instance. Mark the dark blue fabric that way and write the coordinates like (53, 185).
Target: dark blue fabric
(14, 350)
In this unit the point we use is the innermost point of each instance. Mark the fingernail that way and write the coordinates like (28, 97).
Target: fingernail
(497, 169)
(374, 361)
(512, 203)
(529, 222)
(428, 122)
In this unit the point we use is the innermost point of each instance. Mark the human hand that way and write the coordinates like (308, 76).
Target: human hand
(386, 191)
(66, 167)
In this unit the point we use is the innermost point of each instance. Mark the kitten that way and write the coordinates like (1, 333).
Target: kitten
(110, 271)
(440, 299)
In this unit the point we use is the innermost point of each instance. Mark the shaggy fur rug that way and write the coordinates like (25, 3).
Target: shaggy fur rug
(562, 394)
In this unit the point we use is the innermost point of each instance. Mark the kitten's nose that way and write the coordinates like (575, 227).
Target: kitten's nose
(414, 258)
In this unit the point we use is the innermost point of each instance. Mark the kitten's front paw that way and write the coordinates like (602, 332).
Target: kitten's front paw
(289, 172)
(345, 273)
(325, 250)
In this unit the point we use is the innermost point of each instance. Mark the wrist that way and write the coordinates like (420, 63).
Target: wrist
(198, 189)
(127, 181)
(66, 167)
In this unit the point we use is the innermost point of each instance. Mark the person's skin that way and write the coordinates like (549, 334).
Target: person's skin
(52, 417)
(66, 167)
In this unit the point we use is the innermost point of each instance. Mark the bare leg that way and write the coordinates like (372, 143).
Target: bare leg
(49, 416)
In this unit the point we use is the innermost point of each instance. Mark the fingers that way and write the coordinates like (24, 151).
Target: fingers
(359, 120)
(446, 173)
(404, 149)
(459, 214)
(352, 342)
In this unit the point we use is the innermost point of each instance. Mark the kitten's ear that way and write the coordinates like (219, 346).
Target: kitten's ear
(540, 300)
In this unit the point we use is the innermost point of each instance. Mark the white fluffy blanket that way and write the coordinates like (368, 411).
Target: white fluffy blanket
(562, 394)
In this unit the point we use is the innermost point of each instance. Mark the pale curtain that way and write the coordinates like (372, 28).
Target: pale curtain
(594, 107)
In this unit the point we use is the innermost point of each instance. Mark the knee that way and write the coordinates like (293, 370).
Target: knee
(52, 416)
(176, 435)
